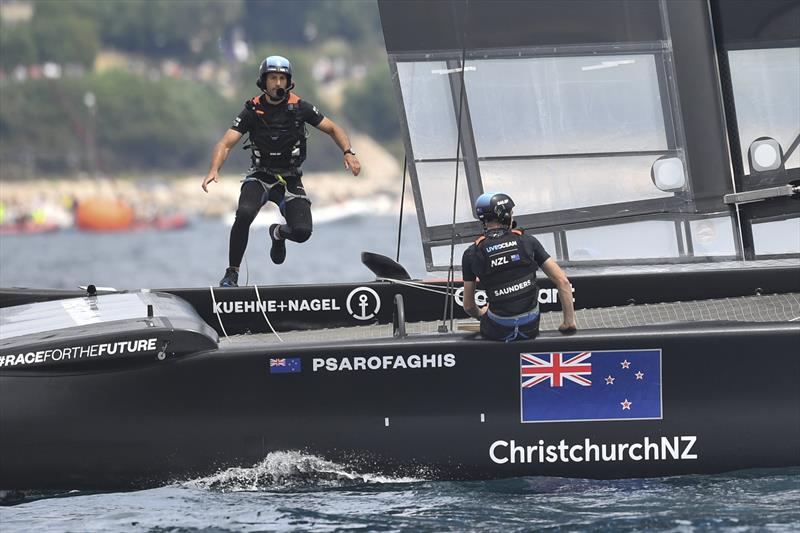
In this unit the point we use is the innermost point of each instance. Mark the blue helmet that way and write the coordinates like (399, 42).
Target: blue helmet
(494, 206)
(274, 64)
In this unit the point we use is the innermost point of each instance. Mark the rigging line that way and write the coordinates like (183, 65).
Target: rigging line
(419, 286)
(402, 203)
(792, 148)
(450, 273)
(443, 327)
(264, 314)
(219, 318)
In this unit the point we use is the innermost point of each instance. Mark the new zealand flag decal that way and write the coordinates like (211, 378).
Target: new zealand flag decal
(581, 386)
(284, 365)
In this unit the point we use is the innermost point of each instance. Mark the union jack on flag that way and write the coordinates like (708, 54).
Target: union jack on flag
(284, 365)
(537, 368)
(592, 385)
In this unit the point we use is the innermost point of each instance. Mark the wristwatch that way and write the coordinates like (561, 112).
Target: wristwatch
(349, 151)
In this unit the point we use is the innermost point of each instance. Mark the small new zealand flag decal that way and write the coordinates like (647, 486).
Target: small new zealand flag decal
(284, 365)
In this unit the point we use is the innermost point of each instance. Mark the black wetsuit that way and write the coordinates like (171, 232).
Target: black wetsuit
(506, 263)
(278, 144)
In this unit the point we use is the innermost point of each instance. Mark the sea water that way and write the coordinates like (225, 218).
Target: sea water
(197, 256)
(290, 491)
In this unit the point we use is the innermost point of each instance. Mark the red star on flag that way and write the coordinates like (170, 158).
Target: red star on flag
(626, 404)
(639, 375)
(610, 380)
(626, 364)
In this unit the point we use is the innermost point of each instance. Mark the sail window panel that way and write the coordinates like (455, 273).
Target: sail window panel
(713, 237)
(436, 183)
(566, 105)
(428, 105)
(441, 255)
(544, 185)
(652, 239)
(777, 237)
(548, 241)
(766, 92)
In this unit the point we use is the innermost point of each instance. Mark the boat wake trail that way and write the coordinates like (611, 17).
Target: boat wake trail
(291, 470)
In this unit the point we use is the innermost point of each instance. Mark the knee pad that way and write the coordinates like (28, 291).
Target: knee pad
(247, 213)
(301, 233)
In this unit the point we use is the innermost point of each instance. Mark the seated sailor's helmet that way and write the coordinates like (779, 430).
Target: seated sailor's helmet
(494, 206)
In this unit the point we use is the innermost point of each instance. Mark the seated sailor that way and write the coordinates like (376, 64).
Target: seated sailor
(506, 260)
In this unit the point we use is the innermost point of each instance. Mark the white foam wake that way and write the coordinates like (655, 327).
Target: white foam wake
(291, 470)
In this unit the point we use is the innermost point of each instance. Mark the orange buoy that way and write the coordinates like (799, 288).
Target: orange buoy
(100, 213)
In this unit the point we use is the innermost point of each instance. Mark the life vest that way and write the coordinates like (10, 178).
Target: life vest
(277, 142)
(506, 270)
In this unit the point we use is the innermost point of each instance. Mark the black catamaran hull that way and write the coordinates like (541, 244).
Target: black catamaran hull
(241, 310)
(729, 400)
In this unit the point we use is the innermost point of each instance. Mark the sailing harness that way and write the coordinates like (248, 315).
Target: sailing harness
(276, 143)
(515, 322)
(508, 274)
(291, 184)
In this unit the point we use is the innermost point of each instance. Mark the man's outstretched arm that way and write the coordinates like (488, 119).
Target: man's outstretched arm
(341, 139)
(221, 151)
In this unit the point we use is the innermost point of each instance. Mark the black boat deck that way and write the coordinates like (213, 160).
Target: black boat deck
(761, 308)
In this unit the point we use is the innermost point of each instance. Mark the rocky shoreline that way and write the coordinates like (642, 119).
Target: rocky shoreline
(155, 194)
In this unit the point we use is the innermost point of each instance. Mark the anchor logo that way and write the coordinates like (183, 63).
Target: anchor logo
(480, 297)
(365, 307)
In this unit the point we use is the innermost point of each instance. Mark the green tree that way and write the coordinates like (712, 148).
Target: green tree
(145, 124)
(36, 131)
(64, 38)
(352, 20)
(17, 45)
(370, 105)
(189, 30)
(300, 21)
(165, 124)
(139, 124)
(277, 20)
(186, 29)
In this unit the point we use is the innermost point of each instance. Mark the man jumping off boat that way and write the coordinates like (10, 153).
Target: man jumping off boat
(506, 260)
(275, 121)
